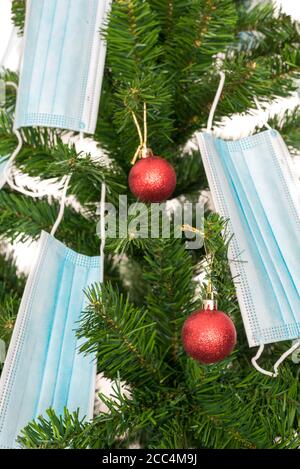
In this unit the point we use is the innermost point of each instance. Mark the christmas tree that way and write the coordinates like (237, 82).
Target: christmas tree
(166, 54)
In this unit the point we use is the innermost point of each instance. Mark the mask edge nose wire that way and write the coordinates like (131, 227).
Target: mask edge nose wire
(102, 230)
(62, 205)
(215, 102)
(259, 368)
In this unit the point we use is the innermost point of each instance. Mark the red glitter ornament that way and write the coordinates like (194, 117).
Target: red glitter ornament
(152, 179)
(208, 335)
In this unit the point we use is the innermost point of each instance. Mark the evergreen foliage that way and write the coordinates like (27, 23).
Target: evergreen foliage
(162, 52)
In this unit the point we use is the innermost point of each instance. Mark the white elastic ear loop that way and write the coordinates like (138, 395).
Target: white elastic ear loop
(215, 102)
(277, 364)
(296, 353)
(8, 167)
(259, 368)
(62, 205)
(261, 109)
(102, 230)
(8, 170)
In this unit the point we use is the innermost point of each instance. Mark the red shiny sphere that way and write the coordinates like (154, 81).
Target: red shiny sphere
(208, 336)
(152, 179)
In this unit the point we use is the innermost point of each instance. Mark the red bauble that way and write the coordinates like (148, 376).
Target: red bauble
(208, 336)
(152, 179)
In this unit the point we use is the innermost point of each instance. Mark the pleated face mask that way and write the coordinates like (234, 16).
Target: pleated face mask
(44, 367)
(253, 185)
(63, 64)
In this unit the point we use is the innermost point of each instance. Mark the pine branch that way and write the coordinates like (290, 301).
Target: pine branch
(53, 432)
(8, 314)
(18, 14)
(289, 127)
(11, 288)
(9, 279)
(168, 276)
(40, 156)
(226, 407)
(114, 327)
(263, 19)
(168, 13)
(24, 218)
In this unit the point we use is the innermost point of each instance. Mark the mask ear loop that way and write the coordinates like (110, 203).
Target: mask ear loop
(261, 109)
(8, 168)
(277, 364)
(215, 102)
(261, 348)
(62, 205)
(256, 365)
(102, 219)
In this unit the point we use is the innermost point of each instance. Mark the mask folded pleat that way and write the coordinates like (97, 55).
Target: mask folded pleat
(251, 184)
(274, 195)
(43, 363)
(253, 214)
(28, 366)
(63, 64)
(243, 265)
(81, 377)
(68, 349)
(55, 342)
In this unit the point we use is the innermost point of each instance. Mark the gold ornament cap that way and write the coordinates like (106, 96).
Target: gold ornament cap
(210, 304)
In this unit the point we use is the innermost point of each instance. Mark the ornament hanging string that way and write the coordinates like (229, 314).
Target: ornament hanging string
(208, 335)
(152, 178)
(142, 150)
(9, 167)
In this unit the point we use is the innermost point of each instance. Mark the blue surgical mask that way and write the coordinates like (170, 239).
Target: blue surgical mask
(254, 186)
(43, 367)
(63, 62)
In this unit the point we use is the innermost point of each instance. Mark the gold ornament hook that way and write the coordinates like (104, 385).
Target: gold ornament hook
(142, 150)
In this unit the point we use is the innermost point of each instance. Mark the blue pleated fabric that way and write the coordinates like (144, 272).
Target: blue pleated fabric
(254, 185)
(43, 367)
(63, 64)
